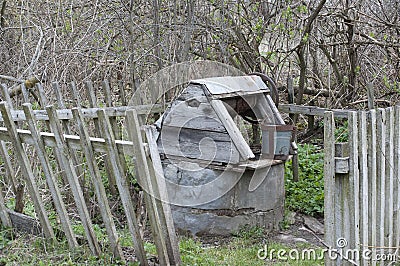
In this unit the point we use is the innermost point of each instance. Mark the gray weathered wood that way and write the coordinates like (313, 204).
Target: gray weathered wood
(27, 171)
(10, 173)
(69, 168)
(396, 196)
(143, 178)
(389, 178)
(354, 185)
(364, 190)
(72, 140)
(165, 213)
(342, 165)
(381, 155)
(98, 184)
(329, 182)
(233, 131)
(311, 110)
(93, 103)
(50, 178)
(196, 116)
(197, 144)
(371, 96)
(123, 188)
(372, 177)
(66, 114)
(75, 93)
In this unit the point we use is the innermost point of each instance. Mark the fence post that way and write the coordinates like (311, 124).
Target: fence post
(329, 182)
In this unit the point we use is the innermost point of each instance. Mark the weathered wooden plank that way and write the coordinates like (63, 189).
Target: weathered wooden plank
(372, 177)
(100, 191)
(381, 155)
(69, 168)
(364, 191)
(197, 144)
(342, 165)
(12, 179)
(72, 140)
(396, 198)
(311, 110)
(135, 135)
(66, 114)
(75, 94)
(59, 95)
(123, 188)
(50, 178)
(25, 94)
(10, 173)
(27, 171)
(44, 102)
(329, 182)
(158, 179)
(354, 184)
(389, 178)
(194, 115)
(237, 138)
(93, 103)
(66, 126)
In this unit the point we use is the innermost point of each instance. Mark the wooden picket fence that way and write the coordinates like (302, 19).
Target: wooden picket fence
(59, 153)
(362, 192)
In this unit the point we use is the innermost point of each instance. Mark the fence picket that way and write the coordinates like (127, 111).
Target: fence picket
(27, 171)
(389, 179)
(164, 209)
(329, 182)
(98, 184)
(381, 151)
(396, 198)
(69, 168)
(114, 161)
(143, 170)
(93, 104)
(364, 197)
(354, 179)
(50, 178)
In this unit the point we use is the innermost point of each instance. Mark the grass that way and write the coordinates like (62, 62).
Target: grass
(240, 249)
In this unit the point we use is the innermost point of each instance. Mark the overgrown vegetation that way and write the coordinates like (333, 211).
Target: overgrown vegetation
(307, 194)
(242, 249)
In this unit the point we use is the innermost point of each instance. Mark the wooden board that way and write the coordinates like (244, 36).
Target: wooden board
(197, 144)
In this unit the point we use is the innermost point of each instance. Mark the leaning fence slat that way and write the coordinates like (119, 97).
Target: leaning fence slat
(25, 93)
(159, 182)
(98, 184)
(329, 181)
(143, 170)
(66, 126)
(381, 152)
(354, 204)
(51, 180)
(364, 192)
(68, 167)
(113, 121)
(75, 93)
(122, 187)
(27, 172)
(372, 174)
(10, 173)
(93, 103)
(396, 200)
